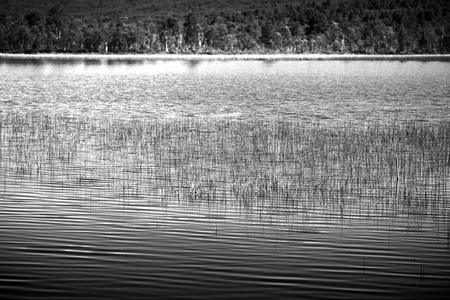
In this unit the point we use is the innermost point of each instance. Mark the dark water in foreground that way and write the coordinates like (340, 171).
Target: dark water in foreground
(94, 207)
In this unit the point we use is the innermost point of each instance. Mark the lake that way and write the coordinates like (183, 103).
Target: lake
(154, 178)
(337, 91)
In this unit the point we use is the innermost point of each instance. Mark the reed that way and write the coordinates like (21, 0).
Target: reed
(270, 166)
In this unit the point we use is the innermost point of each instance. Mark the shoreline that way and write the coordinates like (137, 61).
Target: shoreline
(225, 57)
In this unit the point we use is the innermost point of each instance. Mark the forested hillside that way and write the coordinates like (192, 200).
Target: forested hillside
(227, 26)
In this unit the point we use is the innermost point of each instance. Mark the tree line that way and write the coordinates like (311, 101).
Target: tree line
(337, 26)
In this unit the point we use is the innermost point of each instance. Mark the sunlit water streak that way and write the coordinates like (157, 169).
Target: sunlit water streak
(81, 226)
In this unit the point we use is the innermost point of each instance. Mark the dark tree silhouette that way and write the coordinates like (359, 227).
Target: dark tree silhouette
(320, 26)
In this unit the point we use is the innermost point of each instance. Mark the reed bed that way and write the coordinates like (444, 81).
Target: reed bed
(271, 167)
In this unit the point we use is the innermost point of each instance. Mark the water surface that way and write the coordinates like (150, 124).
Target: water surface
(123, 179)
(337, 91)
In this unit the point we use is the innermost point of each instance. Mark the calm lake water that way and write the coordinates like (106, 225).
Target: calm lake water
(144, 179)
(337, 91)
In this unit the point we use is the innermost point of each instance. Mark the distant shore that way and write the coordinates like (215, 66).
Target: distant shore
(293, 57)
